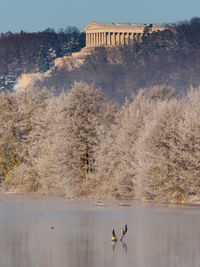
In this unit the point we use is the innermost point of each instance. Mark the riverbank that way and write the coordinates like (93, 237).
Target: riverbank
(99, 202)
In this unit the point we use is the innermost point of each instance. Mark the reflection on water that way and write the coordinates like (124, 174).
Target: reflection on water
(60, 233)
(124, 245)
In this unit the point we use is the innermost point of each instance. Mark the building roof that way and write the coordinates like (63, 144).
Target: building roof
(121, 25)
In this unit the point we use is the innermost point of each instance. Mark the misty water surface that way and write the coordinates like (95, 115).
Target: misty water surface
(55, 232)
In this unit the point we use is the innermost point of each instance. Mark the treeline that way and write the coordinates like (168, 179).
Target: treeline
(81, 144)
(170, 57)
(34, 52)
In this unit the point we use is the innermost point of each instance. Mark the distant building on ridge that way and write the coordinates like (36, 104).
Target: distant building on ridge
(116, 34)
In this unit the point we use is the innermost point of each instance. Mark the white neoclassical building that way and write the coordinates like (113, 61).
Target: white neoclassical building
(116, 34)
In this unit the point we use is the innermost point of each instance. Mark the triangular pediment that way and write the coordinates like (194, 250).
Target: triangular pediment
(94, 26)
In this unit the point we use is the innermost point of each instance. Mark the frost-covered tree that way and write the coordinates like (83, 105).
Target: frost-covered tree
(159, 154)
(9, 138)
(117, 155)
(189, 128)
(22, 126)
(168, 151)
(79, 117)
(32, 127)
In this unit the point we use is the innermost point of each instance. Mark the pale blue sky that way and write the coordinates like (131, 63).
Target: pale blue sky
(37, 15)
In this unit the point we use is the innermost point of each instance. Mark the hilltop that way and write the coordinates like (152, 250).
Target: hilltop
(170, 57)
(23, 52)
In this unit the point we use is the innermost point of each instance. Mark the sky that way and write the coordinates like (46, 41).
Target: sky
(38, 15)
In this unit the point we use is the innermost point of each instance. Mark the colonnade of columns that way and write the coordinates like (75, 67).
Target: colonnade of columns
(111, 38)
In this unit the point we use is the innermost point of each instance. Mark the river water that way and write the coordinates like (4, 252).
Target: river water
(50, 232)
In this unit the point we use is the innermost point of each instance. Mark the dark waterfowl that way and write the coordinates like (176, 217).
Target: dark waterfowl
(124, 231)
(114, 238)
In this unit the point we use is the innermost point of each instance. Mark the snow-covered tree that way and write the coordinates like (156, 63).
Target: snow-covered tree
(117, 156)
(21, 127)
(32, 127)
(168, 151)
(159, 154)
(189, 131)
(79, 116)
(9, 138)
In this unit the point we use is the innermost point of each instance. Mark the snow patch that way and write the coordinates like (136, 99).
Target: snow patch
(29, 80)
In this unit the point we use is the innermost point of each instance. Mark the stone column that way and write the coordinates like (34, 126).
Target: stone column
(98, 38)
(109, 42)
(125, 38)
(122, 39)
(128, 38)
(119, 38)
(102, 38)
(89, 39)
(111, 38)
(92, 39)
(106, 39)
(131, 39)
(136, 37)
(114, 39)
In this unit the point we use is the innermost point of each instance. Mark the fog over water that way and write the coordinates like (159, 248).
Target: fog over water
(57, 232)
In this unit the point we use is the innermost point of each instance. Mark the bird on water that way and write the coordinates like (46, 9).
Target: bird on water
(114, 238)
(124, 231)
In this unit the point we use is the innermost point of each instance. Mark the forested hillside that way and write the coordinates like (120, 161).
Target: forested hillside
(34, 52)
(170, 57)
